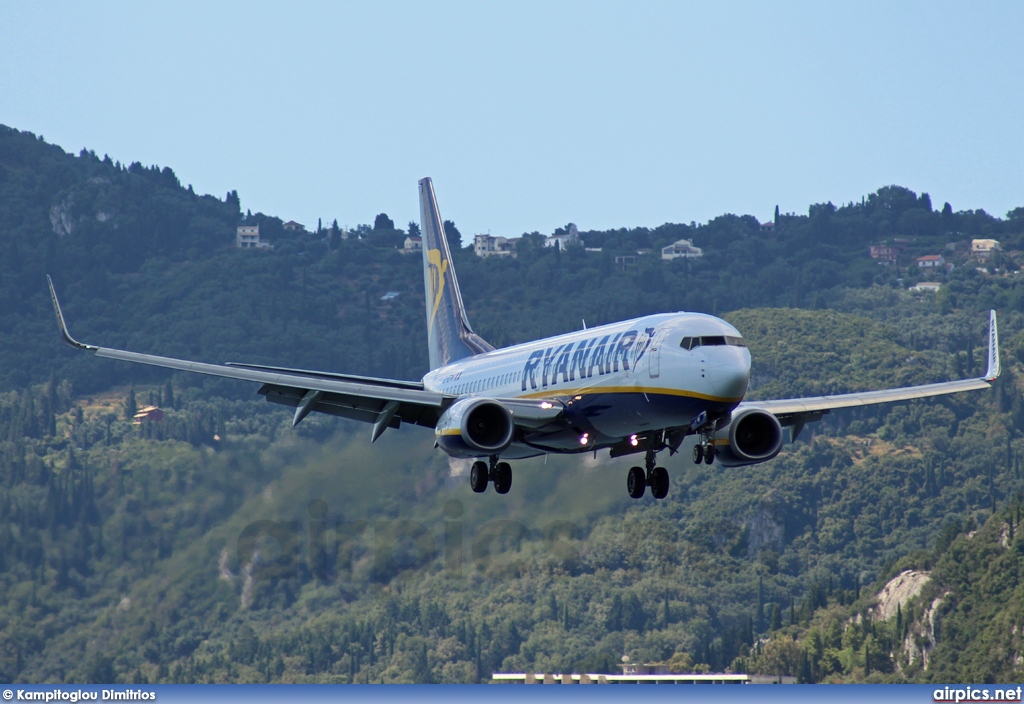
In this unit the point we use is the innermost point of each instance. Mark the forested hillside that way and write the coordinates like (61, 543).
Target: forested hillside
(222, 545)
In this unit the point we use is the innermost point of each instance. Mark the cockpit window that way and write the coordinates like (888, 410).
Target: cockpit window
(692, 343)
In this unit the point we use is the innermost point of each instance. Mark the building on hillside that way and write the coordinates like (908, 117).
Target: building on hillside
(488, 246)
(768, 227)
(389, 296)
(626, 261)
(413, 243)
(148, 414)
(885, 254)
(932, 286)
(681, 249)
(248, 237)
(983, 249)
(293, 226)
(564, 239)
(931, 261)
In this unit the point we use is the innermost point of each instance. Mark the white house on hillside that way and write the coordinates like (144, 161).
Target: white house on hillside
(248, 237)
(681, 248)
(567, 238)
(488, 246)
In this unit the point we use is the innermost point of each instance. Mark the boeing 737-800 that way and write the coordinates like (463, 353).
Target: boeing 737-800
(638, 386)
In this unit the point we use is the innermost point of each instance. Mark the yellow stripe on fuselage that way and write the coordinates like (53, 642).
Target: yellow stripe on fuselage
(628, 390)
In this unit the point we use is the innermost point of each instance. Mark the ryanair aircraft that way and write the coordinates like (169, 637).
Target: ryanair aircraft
(638, 386)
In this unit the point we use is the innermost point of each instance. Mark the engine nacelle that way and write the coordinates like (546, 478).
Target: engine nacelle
(473, 427)
(751, 436)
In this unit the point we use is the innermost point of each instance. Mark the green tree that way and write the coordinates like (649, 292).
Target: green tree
(130, 406)
(453, 235)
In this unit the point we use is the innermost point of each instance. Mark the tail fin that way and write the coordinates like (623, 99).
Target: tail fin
(449, 334)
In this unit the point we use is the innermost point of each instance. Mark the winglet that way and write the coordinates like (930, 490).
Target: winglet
(993, 348)
(62, 325)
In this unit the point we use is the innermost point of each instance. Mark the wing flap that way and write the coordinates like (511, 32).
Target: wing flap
(355, 407)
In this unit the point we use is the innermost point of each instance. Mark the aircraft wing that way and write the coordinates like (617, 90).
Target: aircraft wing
(797, 412)
(383, 402)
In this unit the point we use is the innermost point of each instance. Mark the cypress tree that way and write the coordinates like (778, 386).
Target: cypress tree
(130, 406)
(760, 603)
(479, 664)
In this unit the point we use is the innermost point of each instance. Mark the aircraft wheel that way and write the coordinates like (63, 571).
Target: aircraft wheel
(635, 482)
(502, 477)
(659, 487)
(698, 453)
(478, 477)
(709, 454)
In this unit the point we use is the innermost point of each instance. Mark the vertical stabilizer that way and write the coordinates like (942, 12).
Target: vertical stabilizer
(449, 335)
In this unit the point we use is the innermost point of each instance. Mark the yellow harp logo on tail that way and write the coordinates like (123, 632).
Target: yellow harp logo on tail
(438, 267)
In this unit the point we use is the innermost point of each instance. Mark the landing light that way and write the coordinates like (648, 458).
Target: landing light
(546, 405)
(585, 438)
(633, 440)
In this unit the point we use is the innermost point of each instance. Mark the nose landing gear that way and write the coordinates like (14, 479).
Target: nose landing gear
(704, 451)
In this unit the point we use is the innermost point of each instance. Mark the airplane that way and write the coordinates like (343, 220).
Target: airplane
(636, 386)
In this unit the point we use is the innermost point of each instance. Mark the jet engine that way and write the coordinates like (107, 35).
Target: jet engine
(473, 427)
(751, 436)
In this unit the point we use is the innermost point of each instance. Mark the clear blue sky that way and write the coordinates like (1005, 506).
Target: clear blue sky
(529, 115)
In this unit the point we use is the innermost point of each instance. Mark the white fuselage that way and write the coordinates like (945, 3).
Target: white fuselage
(615, 380)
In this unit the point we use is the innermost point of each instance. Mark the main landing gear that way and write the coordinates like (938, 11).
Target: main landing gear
(637, 480)
(480, 474)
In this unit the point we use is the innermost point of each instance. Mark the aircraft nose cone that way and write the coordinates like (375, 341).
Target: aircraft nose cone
(730, 380)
